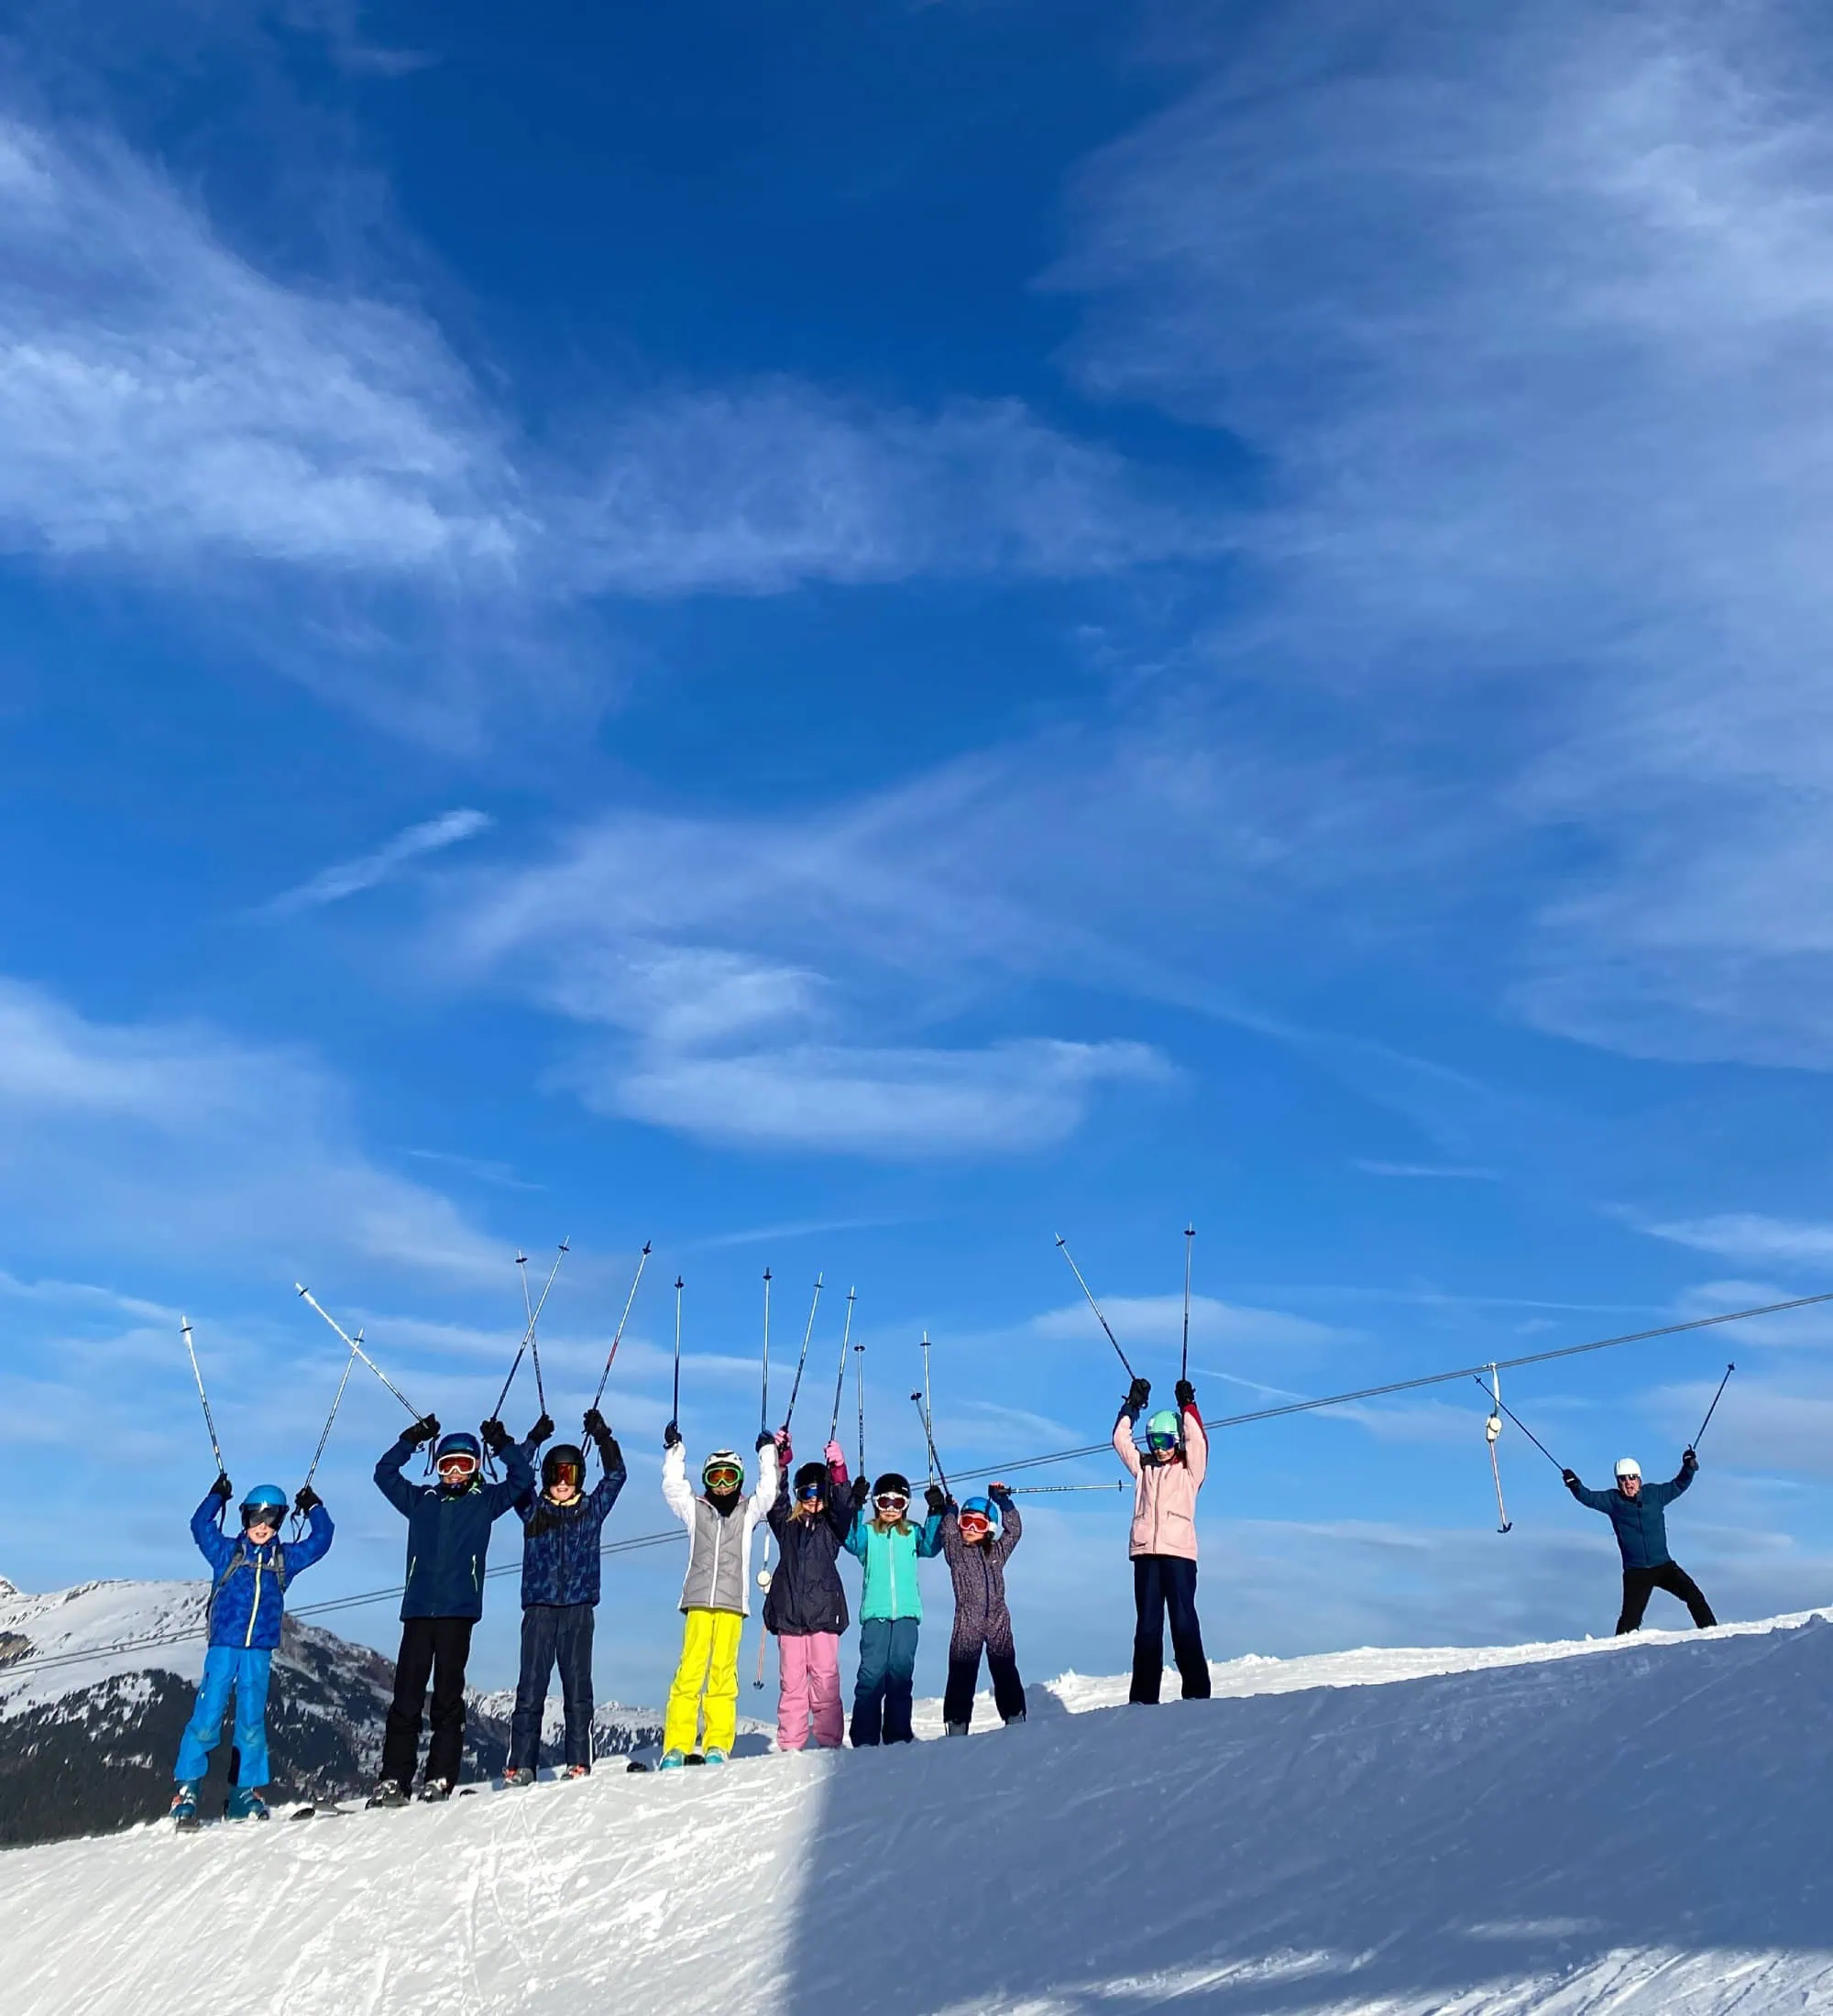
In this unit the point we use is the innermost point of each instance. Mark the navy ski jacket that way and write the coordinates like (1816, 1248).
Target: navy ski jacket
(449, 1532)
(806, 1594)
(1642, 1528)
(248, 1594)
(560, 1543)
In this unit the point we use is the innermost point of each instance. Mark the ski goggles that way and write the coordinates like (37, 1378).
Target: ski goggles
(723, 1478)
(456, 1466)
(812, 1490)
(975, 1525)
(1161, 1443)
(892, 1503)
(566, 1474)
(262, 1515)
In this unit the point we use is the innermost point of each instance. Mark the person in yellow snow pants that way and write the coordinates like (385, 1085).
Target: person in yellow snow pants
(709, 1667)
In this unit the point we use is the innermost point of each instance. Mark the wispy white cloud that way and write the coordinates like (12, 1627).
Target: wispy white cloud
(1428, 1171)
(1159, 1319)
(1749, 1235)
(350, 878)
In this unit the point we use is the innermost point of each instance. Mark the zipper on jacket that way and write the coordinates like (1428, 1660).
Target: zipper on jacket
(254, 1607)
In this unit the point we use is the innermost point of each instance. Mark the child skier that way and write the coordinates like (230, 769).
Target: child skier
(1637, 1511)
(891, 1605)
(977, 1555)
(247, 1599)
(1164, 1542)
(807, 1606)
(715, 1594)
(448, 1536)
(559, 1595)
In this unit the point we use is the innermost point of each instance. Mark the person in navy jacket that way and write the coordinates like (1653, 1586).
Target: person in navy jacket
(559, 1598)
(448, 1540)
(1637, 1512)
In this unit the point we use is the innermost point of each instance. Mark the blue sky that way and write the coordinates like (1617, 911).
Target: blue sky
(848, 637)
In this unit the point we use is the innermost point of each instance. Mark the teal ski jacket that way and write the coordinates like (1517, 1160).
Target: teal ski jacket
(891, 1554)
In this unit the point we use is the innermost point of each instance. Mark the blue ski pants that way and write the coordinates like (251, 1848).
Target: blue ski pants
(243, 1670)
(552, 1631)
(881, 1696)
(1166, 1585)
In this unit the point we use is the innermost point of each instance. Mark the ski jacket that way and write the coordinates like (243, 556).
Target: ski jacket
(890, 1558)
(247, 1596)
(560, 1557)
(449, 1532)
(1165, 1495)
(719, 1552)
(1641, 1521)
(806, 1595)
(979, 1575)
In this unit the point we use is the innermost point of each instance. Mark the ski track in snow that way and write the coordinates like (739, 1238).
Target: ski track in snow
(1610, 1828)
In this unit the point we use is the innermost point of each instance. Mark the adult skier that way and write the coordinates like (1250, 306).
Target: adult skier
(977, 1542)
(448, 1539)
(1637, 1512)
(559, 1598)
(248, 1598)
(1166, 1481)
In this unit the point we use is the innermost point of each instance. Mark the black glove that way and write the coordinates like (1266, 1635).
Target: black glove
(1138, 1394)
(764, 1438)
(542, 1429)
(861, 1491)
(1569, 1477)
(596, 1424)
(999, 1493)
(223, 1488)
(671, 1436)
(307, 1501)
(936, 1498)
(1187, 1394)
(609, 1454)
(422, 1430)
(495, 1435)
(1688, 1460)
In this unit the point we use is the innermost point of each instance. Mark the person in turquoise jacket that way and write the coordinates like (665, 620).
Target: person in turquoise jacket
(891, 1606)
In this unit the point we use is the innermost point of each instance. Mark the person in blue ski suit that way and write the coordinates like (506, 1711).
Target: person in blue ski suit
(448, 1540)
(1637, 1512)
(891, 1605)
(559, 1598)
(251, 1572)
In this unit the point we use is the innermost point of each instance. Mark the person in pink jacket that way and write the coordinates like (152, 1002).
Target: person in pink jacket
(1166, 1481)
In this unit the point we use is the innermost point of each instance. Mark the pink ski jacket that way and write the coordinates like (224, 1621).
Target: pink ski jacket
(1165, 1495)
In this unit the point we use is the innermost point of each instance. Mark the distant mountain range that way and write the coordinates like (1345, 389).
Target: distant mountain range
(96, 1685)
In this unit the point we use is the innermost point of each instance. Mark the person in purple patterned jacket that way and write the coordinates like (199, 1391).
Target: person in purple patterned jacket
(977, 1542)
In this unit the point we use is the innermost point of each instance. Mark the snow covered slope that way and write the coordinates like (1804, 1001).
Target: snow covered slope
(1628, 1827)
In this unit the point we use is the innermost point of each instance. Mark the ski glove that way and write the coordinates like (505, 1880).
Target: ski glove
(671, 1436)
(1138, 1394)
(1000, 1491)
(1187, 1394)
(936, 1498)
(1688, 1460)
(307, 1501)
(598, 1429)
(609, 1454)
(861, 1491)
(422, 1430)
(223, 1488)
(764, 1438)
(1570, 1479)
(495, 1435)
(542, 1429)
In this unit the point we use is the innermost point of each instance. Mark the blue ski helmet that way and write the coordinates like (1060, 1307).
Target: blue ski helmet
(265, 1505)
(1162, 1431)
(987, 1509)
(460, 1442)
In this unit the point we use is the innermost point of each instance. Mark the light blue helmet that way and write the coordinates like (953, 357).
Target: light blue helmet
(265, 1505)
(987, 1509)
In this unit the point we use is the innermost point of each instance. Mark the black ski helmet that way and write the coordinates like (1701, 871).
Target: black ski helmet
(893, 1481)
(811, 1473)
(562, 1454)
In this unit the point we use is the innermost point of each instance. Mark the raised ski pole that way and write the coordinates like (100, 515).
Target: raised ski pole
(802, 1361)
(1497, 1401)
(1044, 1490)
(196, 1373)
(1711, 1410)
(1185, 1362)
(840, 1376)
(528, 1335)
(925, 1406)
(1062, 1246)
(1492, 1430)
(642, 1261)
(337, 1401)
(859, 1368)
(356, 1345)
(937, 1473)
(674, 1412)
(764, 1403)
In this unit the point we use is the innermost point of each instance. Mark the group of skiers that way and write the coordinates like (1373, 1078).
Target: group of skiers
(814, 1511)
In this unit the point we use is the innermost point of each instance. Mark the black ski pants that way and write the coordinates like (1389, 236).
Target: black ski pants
(1008, 1690)
(1162, 1584)
(553, 1631)
(437, 1647)
(1641, 1583)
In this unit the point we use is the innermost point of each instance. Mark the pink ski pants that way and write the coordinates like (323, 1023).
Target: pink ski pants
(811, 1688)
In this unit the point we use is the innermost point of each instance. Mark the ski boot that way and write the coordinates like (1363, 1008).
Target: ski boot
(714, 1756)
(245, 1802)
(388, 1791)
(517, 1776)
(184, 1809)
(954, 1728)
(672, 1762)
(1013, 1722)
(577, 1771)
(435, 1792)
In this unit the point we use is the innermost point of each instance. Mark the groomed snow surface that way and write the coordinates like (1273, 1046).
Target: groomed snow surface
(1632, 1826)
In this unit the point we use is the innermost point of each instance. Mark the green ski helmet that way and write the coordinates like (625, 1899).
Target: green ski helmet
(1161, 1432)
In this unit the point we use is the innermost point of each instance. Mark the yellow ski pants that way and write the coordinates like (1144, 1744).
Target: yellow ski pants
(709, 1665)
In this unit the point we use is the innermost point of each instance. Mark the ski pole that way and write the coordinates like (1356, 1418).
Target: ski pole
(803, 1360)
(1185, 1362)
(356, 1347)
(337, 1401)
(937, 1473)
(1063, 1247)
(209, 1420)
(859, 1367)
(927, 1417)
(1042, 1490)
(840, 1376)
(1521, 1425)
(1711, 1410)
(642, 1261)
(1492, 1430)
(675, 1413)
(528, 1335)
(763, 1404)
(762, 1631)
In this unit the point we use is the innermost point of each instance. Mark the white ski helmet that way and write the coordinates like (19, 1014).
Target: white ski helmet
(1627, 1466)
